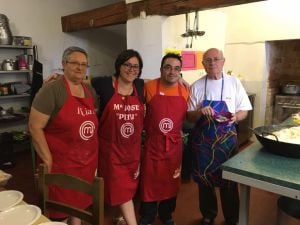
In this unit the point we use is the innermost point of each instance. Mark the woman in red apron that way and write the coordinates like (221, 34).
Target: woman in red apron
(67, 142)
(161, 165)
(120, 126)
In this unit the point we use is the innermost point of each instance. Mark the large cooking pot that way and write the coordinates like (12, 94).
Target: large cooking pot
(275, 146)
(291, 89)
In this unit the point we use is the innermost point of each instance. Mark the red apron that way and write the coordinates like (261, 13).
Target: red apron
(161, 165)
(121, 126)
(73, 142)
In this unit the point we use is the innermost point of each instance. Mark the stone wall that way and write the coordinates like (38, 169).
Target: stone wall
(284, 68)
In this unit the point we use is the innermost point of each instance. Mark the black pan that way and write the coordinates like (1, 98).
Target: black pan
(275, 146)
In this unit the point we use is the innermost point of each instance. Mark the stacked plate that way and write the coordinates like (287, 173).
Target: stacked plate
(12, 214)
(53, 223)
(4, 177)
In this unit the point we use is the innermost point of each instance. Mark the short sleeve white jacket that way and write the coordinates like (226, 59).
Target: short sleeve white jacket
(234, 93)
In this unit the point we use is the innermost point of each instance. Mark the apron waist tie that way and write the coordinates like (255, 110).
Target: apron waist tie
(170, 138)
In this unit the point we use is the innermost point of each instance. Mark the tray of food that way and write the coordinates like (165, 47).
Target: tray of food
(282, 140)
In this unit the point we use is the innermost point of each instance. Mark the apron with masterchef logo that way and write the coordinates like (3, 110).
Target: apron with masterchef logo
(120, 128)
(161, 165)
(73, 142)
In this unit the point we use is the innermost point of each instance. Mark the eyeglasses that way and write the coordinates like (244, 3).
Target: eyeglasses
(211, 60)
(168, 68)
(129, 66)
(82, 65)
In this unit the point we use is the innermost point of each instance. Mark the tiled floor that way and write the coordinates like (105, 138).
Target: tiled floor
(262, 204)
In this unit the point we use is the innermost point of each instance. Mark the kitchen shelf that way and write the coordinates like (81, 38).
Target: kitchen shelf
(14, 96)
(13, 118)
(16, 46)
(9, 77)
(14, 71)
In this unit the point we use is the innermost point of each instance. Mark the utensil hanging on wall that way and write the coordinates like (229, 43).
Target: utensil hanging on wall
(37, 74)
(187, 25)
(191, 32)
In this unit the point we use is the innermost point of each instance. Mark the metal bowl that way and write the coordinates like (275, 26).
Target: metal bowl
(275, 146)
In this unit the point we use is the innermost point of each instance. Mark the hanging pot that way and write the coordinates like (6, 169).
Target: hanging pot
(5, 33)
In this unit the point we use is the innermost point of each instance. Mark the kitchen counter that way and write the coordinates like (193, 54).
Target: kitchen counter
(255, 167)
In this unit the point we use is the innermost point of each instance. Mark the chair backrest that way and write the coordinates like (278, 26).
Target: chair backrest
(94, 216)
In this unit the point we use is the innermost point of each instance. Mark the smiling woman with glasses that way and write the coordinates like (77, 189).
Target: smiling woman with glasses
(121, 122)
(63, 125)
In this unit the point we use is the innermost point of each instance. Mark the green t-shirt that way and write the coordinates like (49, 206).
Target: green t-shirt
(52, 96)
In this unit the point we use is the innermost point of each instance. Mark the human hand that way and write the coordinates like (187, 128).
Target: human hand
(184, 83)
(233, 119)
(207, 111)
(177, 173)
(52, 77)
(137, 172)
(48, 166)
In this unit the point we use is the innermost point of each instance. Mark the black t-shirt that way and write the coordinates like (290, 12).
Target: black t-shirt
(105, 90)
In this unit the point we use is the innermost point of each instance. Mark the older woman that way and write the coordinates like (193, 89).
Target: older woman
(63, 124)
(120, 125)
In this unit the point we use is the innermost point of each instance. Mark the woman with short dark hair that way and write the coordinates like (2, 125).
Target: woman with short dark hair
(120, 124)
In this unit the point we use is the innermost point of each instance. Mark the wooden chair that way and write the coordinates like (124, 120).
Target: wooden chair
(94, 215)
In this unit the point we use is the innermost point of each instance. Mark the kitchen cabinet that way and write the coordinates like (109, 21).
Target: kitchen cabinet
(15, 88)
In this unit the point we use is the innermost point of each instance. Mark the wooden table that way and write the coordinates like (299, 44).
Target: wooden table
(255, 167)
(42, 218)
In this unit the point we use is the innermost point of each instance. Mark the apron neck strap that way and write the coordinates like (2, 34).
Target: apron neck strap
(116, 84)
(221, 87)
(86, 90)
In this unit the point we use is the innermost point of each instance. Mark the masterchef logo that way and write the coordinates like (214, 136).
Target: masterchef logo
(87, 130)
(166, 125)
(127, 129)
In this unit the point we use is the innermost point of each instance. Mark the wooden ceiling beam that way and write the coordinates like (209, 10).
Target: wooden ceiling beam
(105, 16)
(120, 12)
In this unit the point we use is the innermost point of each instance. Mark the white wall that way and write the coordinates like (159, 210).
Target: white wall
(41, 20)
(208, 22)
(260, 21)
(249, 26)
(145, 36)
